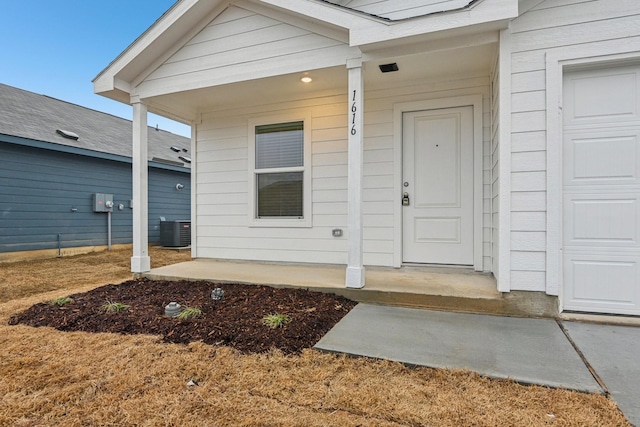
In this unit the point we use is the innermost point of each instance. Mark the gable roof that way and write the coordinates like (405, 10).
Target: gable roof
(393, 10)
(347, 21)
(37, 117)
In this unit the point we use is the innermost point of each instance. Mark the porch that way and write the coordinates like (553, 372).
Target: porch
(450, 289)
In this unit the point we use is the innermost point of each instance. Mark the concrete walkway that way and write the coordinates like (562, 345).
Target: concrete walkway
(532, 351)
(614, 353)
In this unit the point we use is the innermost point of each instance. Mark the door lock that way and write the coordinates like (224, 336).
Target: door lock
(405, 199)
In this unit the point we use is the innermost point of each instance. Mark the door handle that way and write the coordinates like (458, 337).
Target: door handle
(405, 199)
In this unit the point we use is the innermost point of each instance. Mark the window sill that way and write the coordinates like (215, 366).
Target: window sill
(280, 223)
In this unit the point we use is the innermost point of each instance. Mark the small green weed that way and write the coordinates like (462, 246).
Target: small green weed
(114, 307)
(61, 301)
(276, 320)
(189, 313)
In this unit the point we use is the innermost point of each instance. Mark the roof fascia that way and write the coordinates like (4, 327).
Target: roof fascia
(160, 165)
(368, 30)
(142, 41)
(180, 43)
(479, 14)
(109, 80)
(527, 5)
(332, 14)
(53, 146)
(60, 148)
(328, 29)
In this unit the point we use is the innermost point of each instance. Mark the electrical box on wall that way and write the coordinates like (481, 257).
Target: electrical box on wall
(102, 202)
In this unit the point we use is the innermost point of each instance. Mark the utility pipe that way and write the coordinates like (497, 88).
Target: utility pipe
(109, 230)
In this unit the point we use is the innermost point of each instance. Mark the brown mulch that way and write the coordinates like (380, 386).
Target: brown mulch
(235, 321)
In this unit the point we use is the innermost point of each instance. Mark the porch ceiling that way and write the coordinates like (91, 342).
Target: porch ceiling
(436, 66)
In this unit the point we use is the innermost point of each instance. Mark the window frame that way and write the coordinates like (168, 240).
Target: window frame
(306, 220)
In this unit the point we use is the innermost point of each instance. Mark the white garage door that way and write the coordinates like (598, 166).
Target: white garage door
(601, 208)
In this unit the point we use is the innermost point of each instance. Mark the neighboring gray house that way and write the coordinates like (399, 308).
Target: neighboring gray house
(54, 156)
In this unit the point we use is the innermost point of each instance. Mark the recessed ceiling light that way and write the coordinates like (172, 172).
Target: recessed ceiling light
(306, 79)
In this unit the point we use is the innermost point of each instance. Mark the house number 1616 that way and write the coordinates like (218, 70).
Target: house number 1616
(354, 108)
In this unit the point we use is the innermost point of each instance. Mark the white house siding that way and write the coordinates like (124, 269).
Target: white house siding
(548, 26)
(241, 45)
(222, 200)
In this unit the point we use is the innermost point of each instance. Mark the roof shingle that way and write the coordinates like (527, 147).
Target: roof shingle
(37, 117)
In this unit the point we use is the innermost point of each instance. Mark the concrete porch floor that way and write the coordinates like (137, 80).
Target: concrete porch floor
(451, 289)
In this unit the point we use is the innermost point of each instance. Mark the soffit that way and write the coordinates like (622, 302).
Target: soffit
(433, 67)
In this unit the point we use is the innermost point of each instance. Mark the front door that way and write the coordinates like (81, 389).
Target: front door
(438, 181)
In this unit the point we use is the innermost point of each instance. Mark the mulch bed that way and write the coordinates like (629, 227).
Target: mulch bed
(235, 321)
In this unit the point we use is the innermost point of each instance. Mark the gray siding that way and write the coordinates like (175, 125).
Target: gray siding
(39, 189)
(165, 200)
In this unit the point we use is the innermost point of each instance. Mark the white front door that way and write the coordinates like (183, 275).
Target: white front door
(601, 208)
(438, 180)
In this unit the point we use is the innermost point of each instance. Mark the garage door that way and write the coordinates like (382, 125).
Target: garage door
(601, 190)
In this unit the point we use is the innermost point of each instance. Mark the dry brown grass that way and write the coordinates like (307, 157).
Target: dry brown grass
(24, 278)
(49, 377)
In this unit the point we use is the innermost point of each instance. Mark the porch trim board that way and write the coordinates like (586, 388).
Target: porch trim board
(399, 109)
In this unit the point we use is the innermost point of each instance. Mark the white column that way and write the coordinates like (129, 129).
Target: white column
(140, 261)
(504, 157)
(355, 269)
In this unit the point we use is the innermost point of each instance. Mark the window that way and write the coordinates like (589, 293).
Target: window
(280, 184)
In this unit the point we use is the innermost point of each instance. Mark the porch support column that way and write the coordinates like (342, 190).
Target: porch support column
(355, 268)
(140, 261)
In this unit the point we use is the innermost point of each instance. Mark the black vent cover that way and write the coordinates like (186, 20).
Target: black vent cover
(389, 68)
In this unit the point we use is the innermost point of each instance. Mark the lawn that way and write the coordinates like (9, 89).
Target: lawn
(49, 377)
